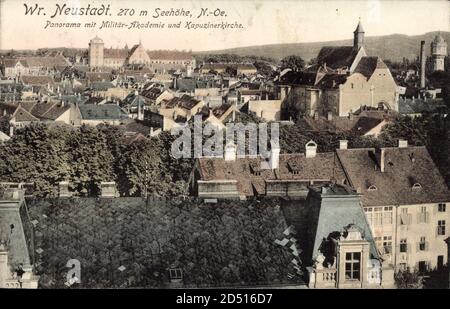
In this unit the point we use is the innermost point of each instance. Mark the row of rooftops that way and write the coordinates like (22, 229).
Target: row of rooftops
(36, 62)
(385, 176)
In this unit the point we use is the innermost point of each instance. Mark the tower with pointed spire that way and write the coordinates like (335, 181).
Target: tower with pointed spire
(358, 36)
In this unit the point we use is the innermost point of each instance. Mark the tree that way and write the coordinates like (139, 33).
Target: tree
(4, 124)
(293, 62)
(36, 154)
(91, 159)
(264, 68)
(406, 279)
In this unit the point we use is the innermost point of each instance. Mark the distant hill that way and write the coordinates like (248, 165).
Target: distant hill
(393, 47)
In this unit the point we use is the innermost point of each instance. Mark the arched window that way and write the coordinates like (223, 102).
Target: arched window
(372, 188)
(417, 186)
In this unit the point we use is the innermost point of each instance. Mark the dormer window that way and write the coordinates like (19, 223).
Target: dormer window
(294, 167)
(255, 169)
(372, 188)
(417, 186)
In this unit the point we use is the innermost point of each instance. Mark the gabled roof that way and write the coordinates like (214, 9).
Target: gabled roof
(394, 185)
(102, 112)
(367, 65)
(324, 167)
(185, 101)
(10, 63)
(36, 80)
(46, 61)
(298, 78)
(337, 57)
(114, 53)
(169, 55)
(330, 81)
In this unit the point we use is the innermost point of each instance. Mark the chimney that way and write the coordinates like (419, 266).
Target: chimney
(63, 188)
(330, 116)
(310, 149)
(402, 143)
(274, 156)
(343, 144)
(108, 189)
(230, 152)
(422, 64)
(380, 157)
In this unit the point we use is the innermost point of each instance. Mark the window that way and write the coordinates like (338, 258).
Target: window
(352, 265)
(405, 218)
(423, 215)
(423, 266)
(387, 215)
(377, 216)
(442, 207)
(387, 244)
(369, 215)
(441, 227)
(403, 245)
(422, 244)
(175, 273)
(417, 186)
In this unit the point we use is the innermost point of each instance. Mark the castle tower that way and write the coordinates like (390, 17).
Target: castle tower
(438, 53)
(96, 47)
(358, 36)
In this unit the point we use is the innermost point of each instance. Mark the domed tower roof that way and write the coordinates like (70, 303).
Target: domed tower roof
(439, 39)
(96, 40)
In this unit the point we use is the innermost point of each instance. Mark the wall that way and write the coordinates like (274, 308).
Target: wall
(412, 232)
(269, 110)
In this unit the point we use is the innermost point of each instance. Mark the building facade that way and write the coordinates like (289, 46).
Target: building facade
(344, 79)
(158, 61)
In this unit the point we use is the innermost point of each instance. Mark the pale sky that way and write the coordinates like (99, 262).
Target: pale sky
(264, 22)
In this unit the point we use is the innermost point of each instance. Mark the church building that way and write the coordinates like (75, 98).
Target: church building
(343, 79)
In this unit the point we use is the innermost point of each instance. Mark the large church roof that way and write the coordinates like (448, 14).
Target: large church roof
(337, 57)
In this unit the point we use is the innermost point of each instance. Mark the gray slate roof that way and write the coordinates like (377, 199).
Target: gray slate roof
(102, 112)
(403, 168)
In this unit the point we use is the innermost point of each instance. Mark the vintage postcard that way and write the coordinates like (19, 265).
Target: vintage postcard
(214, 144)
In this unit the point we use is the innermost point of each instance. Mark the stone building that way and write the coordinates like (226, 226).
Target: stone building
(438, 53)
(404, 196)
(16, 269)
(337, 246)
(344, 79)
(406, 203)
(157, 61)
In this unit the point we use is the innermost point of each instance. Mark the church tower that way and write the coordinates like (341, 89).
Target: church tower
(358, 36)
(438, 53)
(96, 47)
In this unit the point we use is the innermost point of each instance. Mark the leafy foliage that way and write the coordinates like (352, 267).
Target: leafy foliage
(293, 62)
(406, 279)
(89, 155)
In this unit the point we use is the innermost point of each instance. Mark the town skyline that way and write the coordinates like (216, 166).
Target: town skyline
(304, 22)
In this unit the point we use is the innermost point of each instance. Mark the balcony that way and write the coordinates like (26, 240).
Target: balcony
(322, 278)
